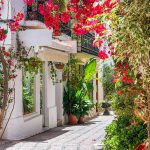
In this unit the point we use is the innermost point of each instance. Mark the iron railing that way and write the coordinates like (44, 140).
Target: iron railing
(87, 44)
(66, 28)
(33, 12)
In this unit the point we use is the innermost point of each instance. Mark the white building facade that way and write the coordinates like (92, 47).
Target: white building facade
(48, 97)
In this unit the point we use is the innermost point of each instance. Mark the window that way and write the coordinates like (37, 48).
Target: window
(28, 92)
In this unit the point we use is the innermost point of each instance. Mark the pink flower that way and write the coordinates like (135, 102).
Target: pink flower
(65, 17)
(79, 30)
(102, 55)
(120, 92)
(97, 43)
(29, 2)
(19, 17)
(3, 34)
(75, 1)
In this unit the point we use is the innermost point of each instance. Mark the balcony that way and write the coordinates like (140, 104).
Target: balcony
(85, 44)
(33, 14)
(66, 28)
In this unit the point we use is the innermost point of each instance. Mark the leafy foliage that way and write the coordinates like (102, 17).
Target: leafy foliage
(122, 135)
(32, 64)
(130, 29)
(28, 92)
(76, 99)
(89, 69)
(107, 81)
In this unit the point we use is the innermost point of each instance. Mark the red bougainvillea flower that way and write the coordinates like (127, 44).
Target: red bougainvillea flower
(14, 26)
(102, 55)
(3, 48)
(141, 147)
(65, 17)
(133, 123)
(97, 43)
(29, 2)
(79, 30)
(120, 92)
(3, 34)
(19, 17)
(114, 80)
(74, 1)
(100, 29)
(110, 4)
(98, 9)
(6, 54)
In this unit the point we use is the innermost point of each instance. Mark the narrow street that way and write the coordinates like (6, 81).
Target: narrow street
(79, 137)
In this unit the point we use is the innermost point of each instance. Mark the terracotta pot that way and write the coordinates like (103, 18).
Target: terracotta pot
(81, 120)
(59, 66)
(73, 120)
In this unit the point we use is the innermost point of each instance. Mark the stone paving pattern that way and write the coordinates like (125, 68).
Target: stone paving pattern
(88, 136)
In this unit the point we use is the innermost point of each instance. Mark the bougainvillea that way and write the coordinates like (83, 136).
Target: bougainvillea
(102, 54)
(84, 13)
(3, 34)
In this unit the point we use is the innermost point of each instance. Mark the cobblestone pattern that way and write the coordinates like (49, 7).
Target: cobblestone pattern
(80, 137)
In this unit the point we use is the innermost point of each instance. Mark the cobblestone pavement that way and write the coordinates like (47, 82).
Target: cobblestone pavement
(79, 137)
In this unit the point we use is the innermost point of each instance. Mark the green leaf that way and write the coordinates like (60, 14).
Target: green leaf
(90, 69)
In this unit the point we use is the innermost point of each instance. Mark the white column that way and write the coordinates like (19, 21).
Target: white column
(49, 103)
(59, 98)
(37, 94)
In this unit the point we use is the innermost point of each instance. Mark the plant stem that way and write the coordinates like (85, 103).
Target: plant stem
(5, 91)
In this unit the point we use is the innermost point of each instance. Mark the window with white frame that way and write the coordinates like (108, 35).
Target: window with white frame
(28, 82)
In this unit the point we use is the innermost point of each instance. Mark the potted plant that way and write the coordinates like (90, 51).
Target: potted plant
(76, 100)
(84, 107)
(106, 106)
(71, 106)
(59, 65)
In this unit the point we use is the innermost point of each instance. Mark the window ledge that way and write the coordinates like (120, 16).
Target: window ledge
(31, 116)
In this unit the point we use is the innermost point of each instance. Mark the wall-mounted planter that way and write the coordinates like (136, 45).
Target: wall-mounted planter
(59, 66)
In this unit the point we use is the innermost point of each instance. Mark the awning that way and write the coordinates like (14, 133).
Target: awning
(84, 57)
(51, 54)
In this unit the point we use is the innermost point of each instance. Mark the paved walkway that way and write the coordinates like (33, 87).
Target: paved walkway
(79, 137)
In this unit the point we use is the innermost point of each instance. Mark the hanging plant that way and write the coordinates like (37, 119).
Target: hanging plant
(59, 65)
(32, 64)
(53, 74)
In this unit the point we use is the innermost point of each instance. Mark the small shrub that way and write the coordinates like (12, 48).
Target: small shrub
(121, 135)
